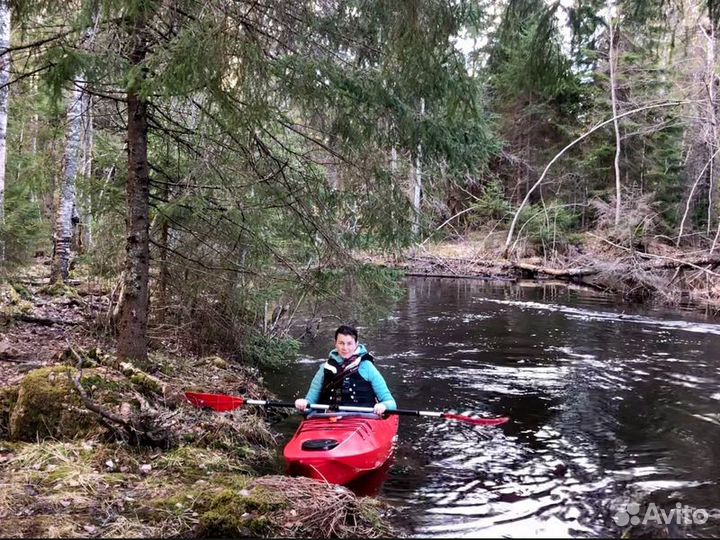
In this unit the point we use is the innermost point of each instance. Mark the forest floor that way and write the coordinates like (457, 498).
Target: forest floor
(92, 447)
(652, 271)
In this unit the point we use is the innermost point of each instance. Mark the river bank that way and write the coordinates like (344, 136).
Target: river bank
(653, 271)
(97, 448)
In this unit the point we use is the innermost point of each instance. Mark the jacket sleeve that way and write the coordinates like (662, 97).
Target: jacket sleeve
(313, 394)
(371, 374)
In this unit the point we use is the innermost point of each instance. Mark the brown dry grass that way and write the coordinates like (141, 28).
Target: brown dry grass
(321, 510)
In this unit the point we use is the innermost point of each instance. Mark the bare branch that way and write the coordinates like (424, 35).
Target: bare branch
(508, 240)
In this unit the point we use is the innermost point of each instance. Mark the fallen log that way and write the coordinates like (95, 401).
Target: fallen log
(557, 272)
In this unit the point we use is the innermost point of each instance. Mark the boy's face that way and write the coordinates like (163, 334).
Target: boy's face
(345, 345)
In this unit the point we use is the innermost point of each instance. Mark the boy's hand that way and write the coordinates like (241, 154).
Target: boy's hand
(379, 409)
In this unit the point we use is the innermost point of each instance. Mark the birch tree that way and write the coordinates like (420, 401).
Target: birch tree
(710, 82)
(65, 199)
(86, 236)
(612, 65)
(4, 100)
(416, 183)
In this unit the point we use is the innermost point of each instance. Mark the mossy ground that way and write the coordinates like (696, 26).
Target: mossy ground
(101, 489)
(60, 289)
(12, 302)
(73, 479)
(88, 488)
(67, 472)
(47, 406)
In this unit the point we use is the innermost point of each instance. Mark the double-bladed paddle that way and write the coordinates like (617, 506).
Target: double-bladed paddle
(222, 403)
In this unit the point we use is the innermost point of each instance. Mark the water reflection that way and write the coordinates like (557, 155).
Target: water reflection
(607, 402)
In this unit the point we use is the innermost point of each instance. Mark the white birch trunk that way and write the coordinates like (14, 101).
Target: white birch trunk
(35, 127)
(4, 100)
(612, 58)
(87, 165)
(712, 117)
(65, 199)
(393, 173)
(416, 179)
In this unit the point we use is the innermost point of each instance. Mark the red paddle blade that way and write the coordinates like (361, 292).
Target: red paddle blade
(216, 402)
(477, 421)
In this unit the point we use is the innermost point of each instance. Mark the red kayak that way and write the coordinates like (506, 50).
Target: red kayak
(339, 449)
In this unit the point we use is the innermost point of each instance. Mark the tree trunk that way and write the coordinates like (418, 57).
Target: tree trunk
(713, 132)
(164, 274)
(87, 169)
(612, 58)
(65, 197)
(416, 179)
(134, 303)
(4, 100)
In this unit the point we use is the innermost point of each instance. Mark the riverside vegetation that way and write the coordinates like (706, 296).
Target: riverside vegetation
(91, 446)
(187, 189)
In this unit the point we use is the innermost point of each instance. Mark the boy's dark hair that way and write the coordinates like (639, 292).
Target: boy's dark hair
(346, 330)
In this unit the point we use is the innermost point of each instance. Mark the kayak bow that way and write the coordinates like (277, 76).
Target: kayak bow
(338, 449)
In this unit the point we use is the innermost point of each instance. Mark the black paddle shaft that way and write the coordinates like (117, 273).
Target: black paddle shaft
(342, 408)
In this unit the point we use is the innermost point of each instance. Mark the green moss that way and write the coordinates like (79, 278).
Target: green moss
(11, 304)
(262, 500)
(48, 406)
(369, 511)
(22, 291)
(193, 462)
(234, 513)
(146, 384)
(216, 524)
(59, 289)
(198, 500)
(235, 482)
(95, 382)
(8, 397)
(260, 526)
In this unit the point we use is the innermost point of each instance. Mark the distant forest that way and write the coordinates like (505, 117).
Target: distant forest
(222, 161)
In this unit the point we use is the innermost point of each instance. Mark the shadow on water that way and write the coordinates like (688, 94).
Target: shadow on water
(610, 404)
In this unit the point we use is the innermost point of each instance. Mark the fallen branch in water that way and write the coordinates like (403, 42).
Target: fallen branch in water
(460, 276)
(557, 272)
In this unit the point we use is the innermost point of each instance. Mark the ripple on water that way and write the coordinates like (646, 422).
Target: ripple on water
(590, 315)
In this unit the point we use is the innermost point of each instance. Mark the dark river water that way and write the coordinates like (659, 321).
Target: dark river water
(610, 405)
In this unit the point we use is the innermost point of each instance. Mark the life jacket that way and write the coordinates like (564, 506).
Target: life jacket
(343, 384)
